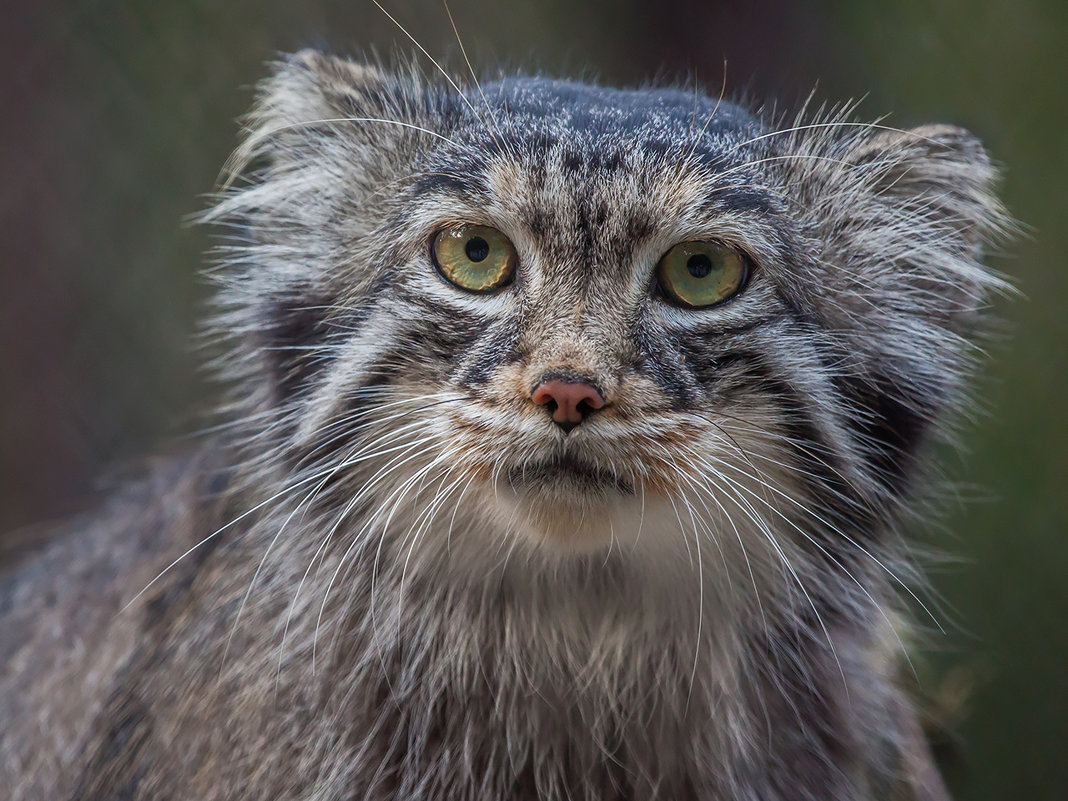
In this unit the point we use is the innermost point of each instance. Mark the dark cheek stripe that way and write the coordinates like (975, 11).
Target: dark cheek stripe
(501, 346)
(662, 364)
(436, 338)
(820, 469)
(889, 429)
(294, 343)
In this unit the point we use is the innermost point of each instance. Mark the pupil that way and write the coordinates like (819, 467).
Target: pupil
(699, 265)
(477, 248)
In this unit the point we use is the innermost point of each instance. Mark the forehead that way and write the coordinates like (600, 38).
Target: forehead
(560, 153)
(589, 116)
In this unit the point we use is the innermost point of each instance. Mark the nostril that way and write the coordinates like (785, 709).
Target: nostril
(543, 396)
(568, 401)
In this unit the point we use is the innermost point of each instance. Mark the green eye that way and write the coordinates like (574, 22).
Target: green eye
(701, 274)
(474, 257)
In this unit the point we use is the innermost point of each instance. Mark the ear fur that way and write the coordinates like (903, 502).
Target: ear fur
(900, 220)
(942, 167)
(310, 99)
(322, 136)
(908, 213)
(311, 86)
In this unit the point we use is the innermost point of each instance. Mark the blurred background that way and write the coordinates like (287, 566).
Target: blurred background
(116, 117)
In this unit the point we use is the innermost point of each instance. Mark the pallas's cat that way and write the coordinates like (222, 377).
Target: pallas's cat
(570, 431)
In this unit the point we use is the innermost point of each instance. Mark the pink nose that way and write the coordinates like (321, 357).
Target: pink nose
(569, 401)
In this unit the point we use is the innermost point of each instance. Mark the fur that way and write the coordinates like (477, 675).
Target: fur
(390, 576)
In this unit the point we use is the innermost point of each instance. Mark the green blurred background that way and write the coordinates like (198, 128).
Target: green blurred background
(115, 118)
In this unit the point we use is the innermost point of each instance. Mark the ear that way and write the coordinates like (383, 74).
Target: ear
(906, 213)
(310, 86)
(941, 171)
(323, 135)
(900, 220)
(314, 102)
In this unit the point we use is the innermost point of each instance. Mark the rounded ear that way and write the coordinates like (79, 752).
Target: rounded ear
(906, 212)
(324, 134)
(314, 100)
(899, 219)
(942, 171)
(310, 85)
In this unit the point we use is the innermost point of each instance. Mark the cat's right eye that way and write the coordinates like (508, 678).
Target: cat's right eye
(477, 258)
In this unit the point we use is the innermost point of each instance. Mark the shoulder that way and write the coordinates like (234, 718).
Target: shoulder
(63, 634)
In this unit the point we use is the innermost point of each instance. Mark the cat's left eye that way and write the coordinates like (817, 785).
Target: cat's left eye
(697, 275)
(477, 258)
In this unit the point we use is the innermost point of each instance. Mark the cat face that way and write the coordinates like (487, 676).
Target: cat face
(592, 194)
(582, 393)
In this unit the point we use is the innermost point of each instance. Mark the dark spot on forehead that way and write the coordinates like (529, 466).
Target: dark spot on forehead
(572, 161)
(456, 181)
(739, 197)
(538, 221)
(592, 160)
(639, 225)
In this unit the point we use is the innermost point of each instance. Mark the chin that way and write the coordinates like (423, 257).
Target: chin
(567, 529)
(576, 508)
(566, 504)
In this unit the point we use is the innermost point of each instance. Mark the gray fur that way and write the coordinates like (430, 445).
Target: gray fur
(380, 579)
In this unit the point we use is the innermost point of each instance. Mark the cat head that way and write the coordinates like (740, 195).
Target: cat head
(590, 312)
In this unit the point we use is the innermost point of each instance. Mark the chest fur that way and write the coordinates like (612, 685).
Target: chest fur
(495, 694)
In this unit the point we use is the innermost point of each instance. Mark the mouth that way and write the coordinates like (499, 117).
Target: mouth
(568, 475)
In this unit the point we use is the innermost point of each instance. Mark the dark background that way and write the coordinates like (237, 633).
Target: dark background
(116, 116)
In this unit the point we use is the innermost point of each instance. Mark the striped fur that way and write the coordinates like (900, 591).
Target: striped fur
(404, 582)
